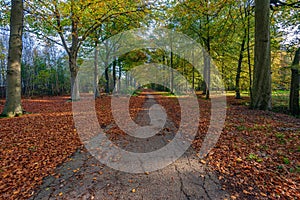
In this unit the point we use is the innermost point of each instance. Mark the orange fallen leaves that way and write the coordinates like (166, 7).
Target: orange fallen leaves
(255, 155)
(251, 151)
(32, 145)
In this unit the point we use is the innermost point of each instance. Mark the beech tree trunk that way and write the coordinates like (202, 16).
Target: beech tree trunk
(247, 14)
(171, 69)
(206, 74)
(239, 68)
(96, 76)
(120, 75)
(13, 105)
(207, 61)
(261, 90)
(74, 79)
(294, 91)
(171, 74)
(204, 84)
(114, 72)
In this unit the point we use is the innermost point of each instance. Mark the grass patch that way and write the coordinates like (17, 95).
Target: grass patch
(136, 93)
(281, 138)
(286, 161)
(254, 157)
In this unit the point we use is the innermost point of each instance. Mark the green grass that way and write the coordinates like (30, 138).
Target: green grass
(168, 94)
(136, 93)
(280, 99)
(286, 161)
(254, 157)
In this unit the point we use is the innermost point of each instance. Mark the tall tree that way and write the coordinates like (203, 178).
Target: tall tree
(96, 76)
(244, 10)
(294, 91)
(74, 21)
(261, 91)
(13, 105)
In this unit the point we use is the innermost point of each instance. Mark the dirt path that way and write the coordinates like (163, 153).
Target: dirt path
(84, 177)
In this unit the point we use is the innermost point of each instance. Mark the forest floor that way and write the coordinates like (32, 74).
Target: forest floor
(257, 155)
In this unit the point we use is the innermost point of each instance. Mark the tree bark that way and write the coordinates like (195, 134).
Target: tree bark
(74, 79)
(247, 14)
(261, 90)
(207, 61)
(96, 76)
(204, 86)
(171, 69)
(294, 91)
(72, 51)
(193, 72)
(249, 61)
(106, 78)
(206, 74)
(239, 68)
(73, 57)
(13, 105)
(114, 72)
(120, 75)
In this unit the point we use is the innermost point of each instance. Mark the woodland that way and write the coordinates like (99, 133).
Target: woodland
(253, 44)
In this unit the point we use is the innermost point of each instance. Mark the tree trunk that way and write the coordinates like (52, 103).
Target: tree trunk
(206, 74)
(239, 68)
(126, 79)
(171, 70)
(261, 90)
(114, 72)
(96, 76)
(13, 105)
(106, 78)
(207, 96)
(294, 91)
(165, 63)
(247, 13)
(73, 52)
(207, 61)
(193, 75)
(74, 79)
(119, 78)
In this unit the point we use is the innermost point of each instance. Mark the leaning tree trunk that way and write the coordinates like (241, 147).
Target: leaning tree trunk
(13, 92)
(261, 90)
(294, 91)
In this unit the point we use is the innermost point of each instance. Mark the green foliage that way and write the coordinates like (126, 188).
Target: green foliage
(286, 161)
(42, 78)
(4, 12)
(254, 157)
(241, 128)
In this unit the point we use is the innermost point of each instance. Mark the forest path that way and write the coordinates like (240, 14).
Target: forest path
(84, 177)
